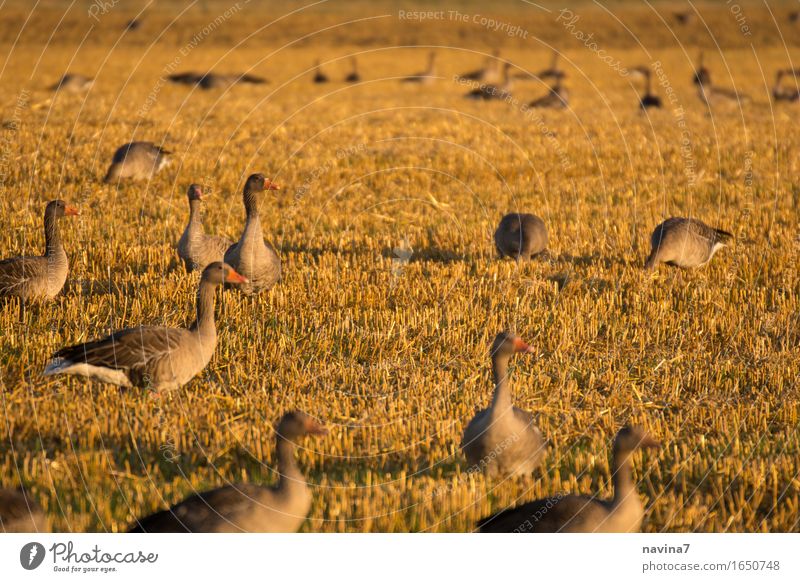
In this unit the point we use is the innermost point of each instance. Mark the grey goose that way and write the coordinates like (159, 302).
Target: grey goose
(138, 160)
(685, 242)
(520, 236)
(196, 248)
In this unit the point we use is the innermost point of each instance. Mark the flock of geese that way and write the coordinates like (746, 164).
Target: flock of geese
(501, 440)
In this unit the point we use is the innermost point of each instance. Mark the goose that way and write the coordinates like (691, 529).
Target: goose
(252, 256)
(214, 80)
(685, 242)
(427, 76)
(137, 160)
(353, 76)
(19, 513)
(40, 277)
(520, 236)
(684, 17)
(649, 99)
(781, 93)
(502, 439)
(488, 73)
(623, 513)
(488, 92)
(711, 95)
(159, 358)
(701, 74)
(557, 98)
(552, 72)
(133, 24)
(196, 248)
(245, 507)
(73, 83)
(319, 76)
(189, 78)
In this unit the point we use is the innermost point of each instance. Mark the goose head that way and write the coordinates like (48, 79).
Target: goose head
(195, 192)
(59, 209)
(218, 273)
(258, 183)
(295, 425)
(631, 438)
(507, 344)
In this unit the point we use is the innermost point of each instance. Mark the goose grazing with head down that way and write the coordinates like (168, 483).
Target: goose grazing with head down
(623, 513)
(160, 358)
(685, 242)
(73, 83)
(196, 248)
(139, 160)
(19, 513)
(487, 92)
(39, 277)
(520, 236)
(502, 439)
(427, 76)
(245, 507)
(252, 256)
(353, 76)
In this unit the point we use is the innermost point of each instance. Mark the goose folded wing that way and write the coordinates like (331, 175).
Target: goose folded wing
(18, 271)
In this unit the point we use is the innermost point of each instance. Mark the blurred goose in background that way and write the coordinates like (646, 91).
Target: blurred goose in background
(648, 99)
(138, 160)
(245, 507)
(711, 95)
(427, 76)
(19, 513)
(488, 73)
(520, 236)
(215, 80)
(252, 256)
(623, 513)
(552, 72)
(701, 74)
(684, 17)
(353, 76)
(40, 277)
(157, 358)
(781, 93)
(557, 98)
(73, 83)
(502, 439)
(196, 248)
(133, 24)
(685, 242)
(487, 92)
(319, 76)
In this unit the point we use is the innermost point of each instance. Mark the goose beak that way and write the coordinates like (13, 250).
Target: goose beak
(234, 277)
(71, 211)
(271, 185)
(649, 442)
(315, 428)
(521, 346)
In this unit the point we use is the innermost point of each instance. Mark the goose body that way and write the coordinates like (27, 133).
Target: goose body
(252, 256)
(196, 248)
(245, 507)
(215, 80)
(583, 514)
(489, 92)
(73, 83)
(488, 73)
(685, 242)
(502, 439)
(427, 76)
(781, 93)
(319, 76)
(520, 236)
(158, 358)
(556, 98)
(39, 277)
(353, 76)
(137, 160)
(19, 513)
(648, 99)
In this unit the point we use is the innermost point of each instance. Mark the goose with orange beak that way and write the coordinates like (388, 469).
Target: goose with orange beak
(158, 358)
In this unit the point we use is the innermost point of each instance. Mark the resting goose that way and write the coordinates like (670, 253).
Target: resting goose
(138, 160)
(489, 92)
(582, 514)
(502, 439)
(353, 76)
(39, 277)
(520, 236)
(427, 76)
(685, 242)
(73, 83)
(19, 513)
(252, 256)
(245, 507)
(196, 248)
(160, 358)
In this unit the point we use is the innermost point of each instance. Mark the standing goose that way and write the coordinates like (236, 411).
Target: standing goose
(623, 513)
(39, 277)
(196, 248)
(488, 92)
(252, 256)
(353, 76)
(73, 83)
(138, 160)
(161, 358)
(520, 236)
(711, 95)
(701, 74)
(781, 93)
(649, 99)
(557, 98)
(319, 76)
(488, 73)
(245, 507)
(502, 439)
(685, 242)
(19, 513)
(427, 76)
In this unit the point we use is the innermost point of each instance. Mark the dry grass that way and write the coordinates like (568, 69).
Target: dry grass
(394, 357)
